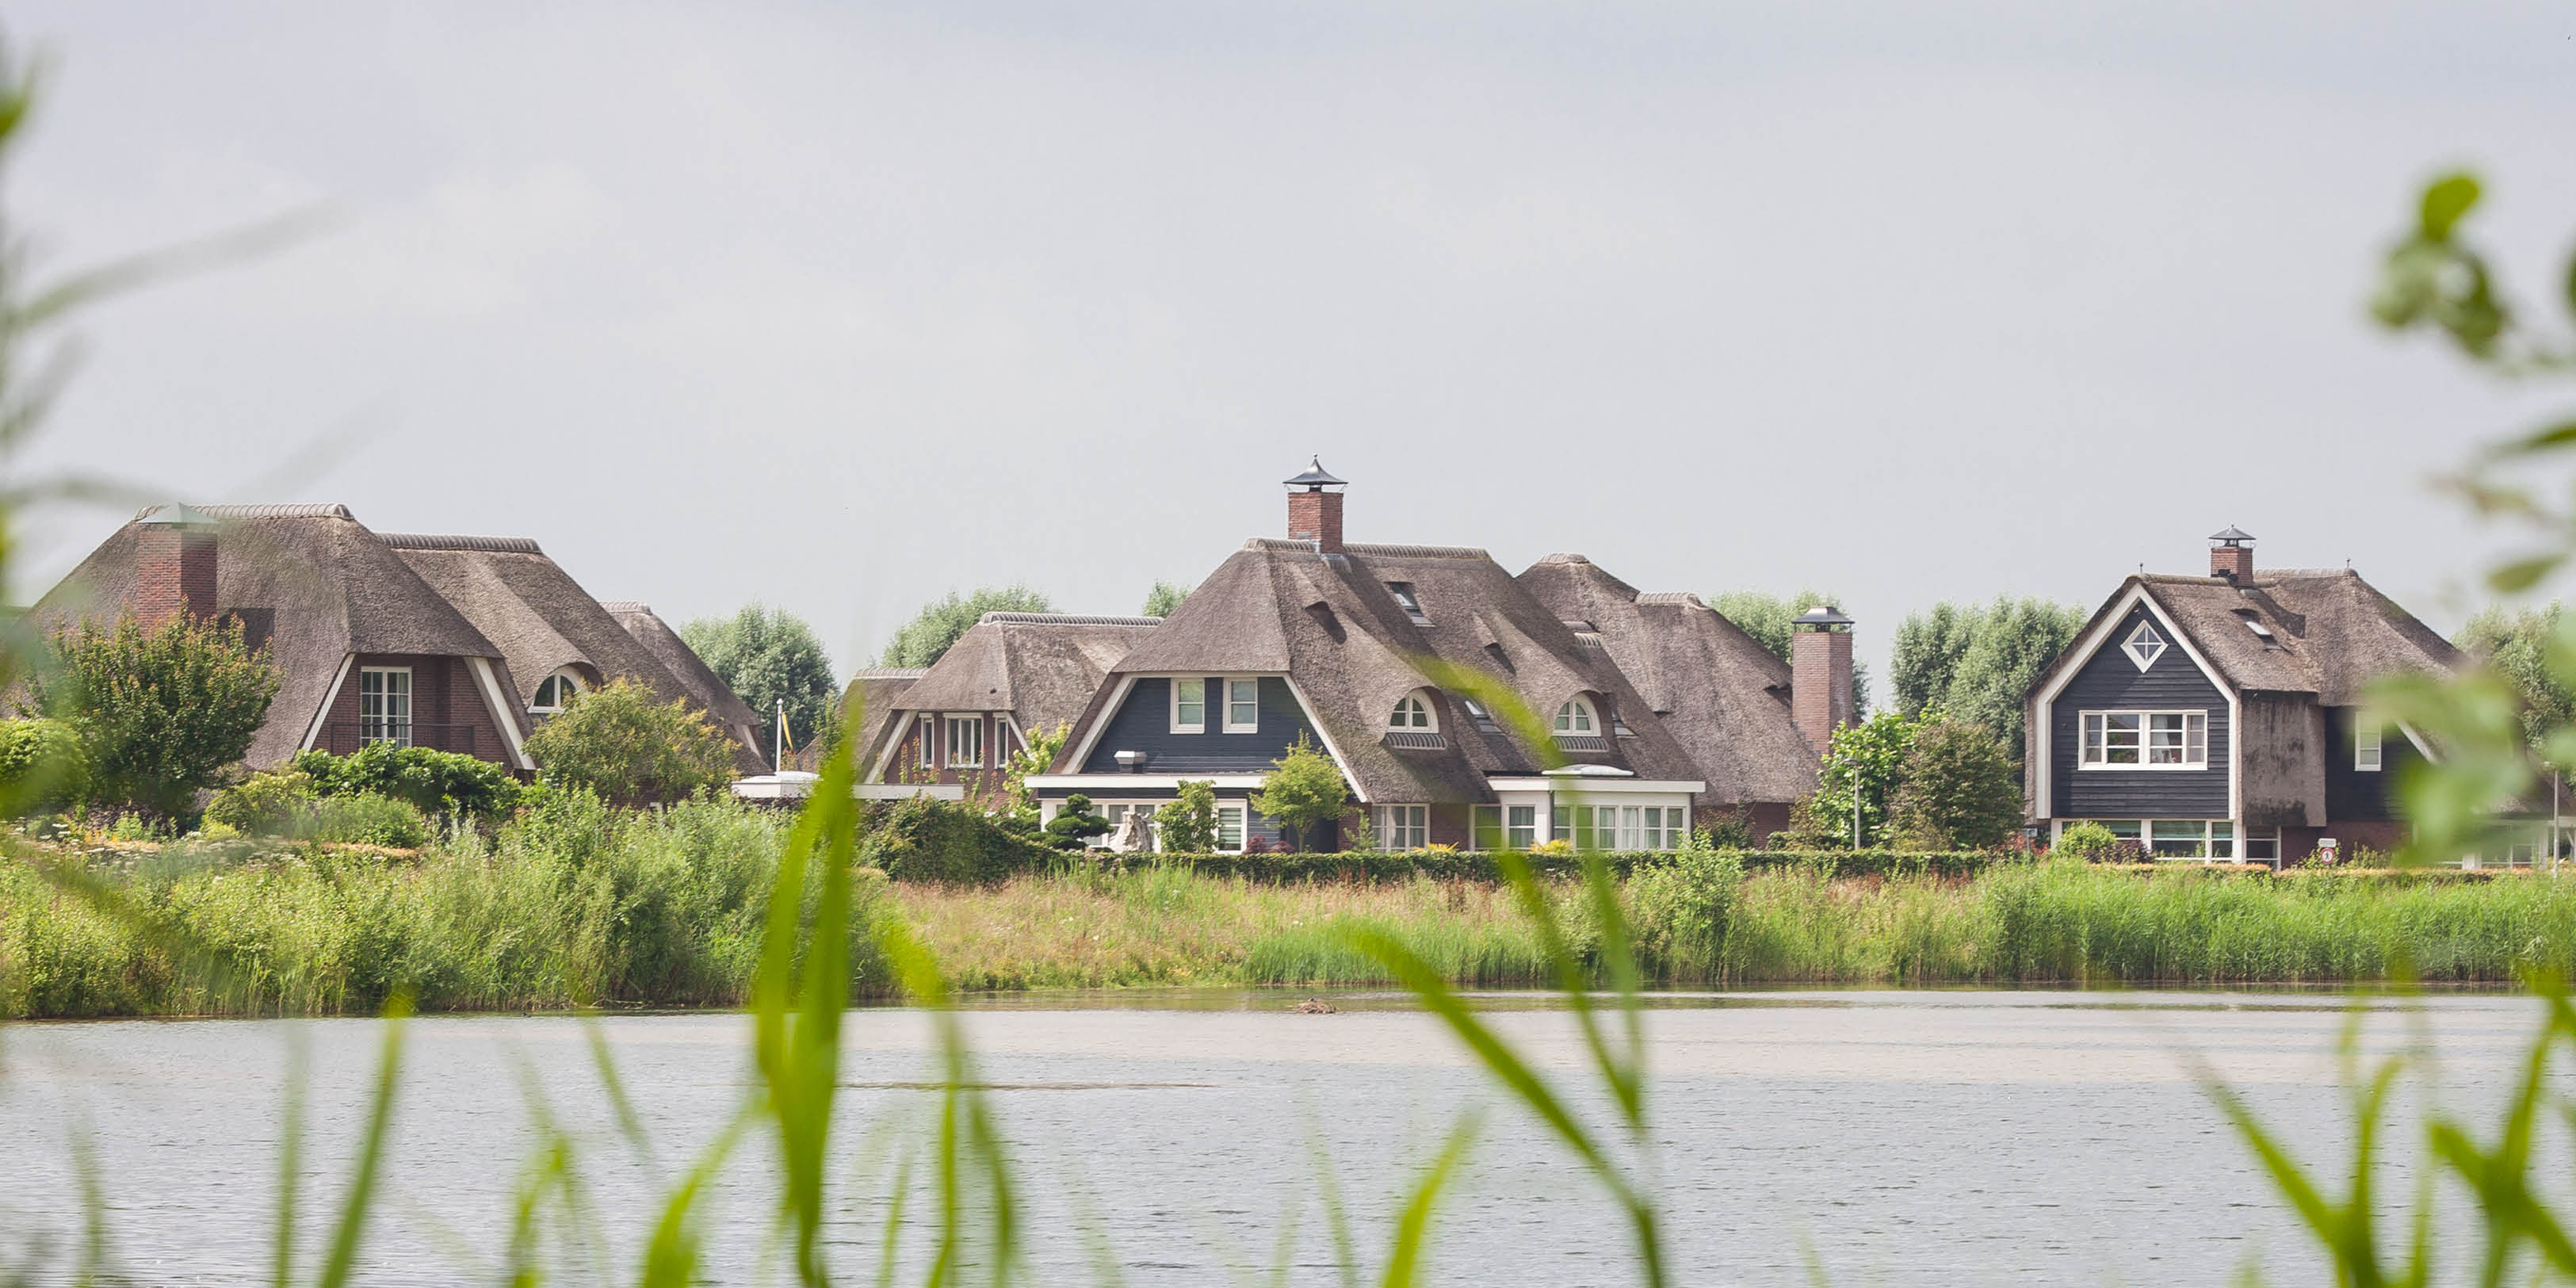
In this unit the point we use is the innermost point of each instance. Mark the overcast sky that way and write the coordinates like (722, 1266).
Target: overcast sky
(840, 306)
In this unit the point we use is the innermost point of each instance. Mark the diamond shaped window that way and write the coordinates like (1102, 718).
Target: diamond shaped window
(2145, 646)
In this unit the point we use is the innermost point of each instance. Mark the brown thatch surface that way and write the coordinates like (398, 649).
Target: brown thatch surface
(683, 662)
(2332, 632)
(331, 587)
(1723, 696)
(1042, 668)
(544, 622)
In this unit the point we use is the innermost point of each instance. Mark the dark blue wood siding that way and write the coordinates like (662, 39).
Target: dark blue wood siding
(2111, 681)
(1144, 723)
(2356, 794)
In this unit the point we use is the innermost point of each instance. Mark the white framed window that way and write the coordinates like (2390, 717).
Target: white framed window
(2145, 740)
(1243, 706)
(1520, 826)
(384, 705)
(1403, 827)
(1229, 828)
(1476, 712)
(1575, 718)
(2187, 838)
(1412, 714)
(1485, 828)
(1117, 815)
(555, 692)
(925, 744)
(965, 742)
(1189, 706)
(2144, 646)
(2366, 748)
(2262, 847)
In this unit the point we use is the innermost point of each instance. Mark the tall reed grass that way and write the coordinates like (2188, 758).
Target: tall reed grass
(578, 905)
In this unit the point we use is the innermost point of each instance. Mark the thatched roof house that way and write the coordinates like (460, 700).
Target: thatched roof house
(1011, 678)
(2222, 716)
(458, 643)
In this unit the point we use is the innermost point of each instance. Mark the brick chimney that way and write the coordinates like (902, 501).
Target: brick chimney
(1315, 508)
(2231, 555)
(1820, 675)
(174, 565)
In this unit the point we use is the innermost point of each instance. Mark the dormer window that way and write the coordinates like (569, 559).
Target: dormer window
(1407, 600)
(555, 692)
(2144, 645)
(2255, 624)
(1413, 715)
(1574, 719)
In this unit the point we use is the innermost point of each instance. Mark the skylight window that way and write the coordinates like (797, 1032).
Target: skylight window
(2145, 646)
(2255, 624)
(1410, 602)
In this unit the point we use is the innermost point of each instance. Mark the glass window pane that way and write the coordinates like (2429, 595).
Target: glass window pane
(1522, 829)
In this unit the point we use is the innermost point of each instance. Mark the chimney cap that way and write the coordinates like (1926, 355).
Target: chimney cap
(1315, 479)
(1822, 617)
(2231, 535)
(177, 515)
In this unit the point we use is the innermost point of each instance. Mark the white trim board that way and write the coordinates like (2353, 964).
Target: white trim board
(504, 713)
(1140, 782)
(314, 730)
(2043, 737)
(1572, 785)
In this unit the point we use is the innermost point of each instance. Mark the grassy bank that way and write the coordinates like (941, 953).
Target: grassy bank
(575, 905)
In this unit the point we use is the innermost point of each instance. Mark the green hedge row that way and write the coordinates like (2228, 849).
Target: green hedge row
(1378, 865)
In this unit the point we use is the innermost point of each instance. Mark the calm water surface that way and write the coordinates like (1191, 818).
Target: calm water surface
(1910, 1137)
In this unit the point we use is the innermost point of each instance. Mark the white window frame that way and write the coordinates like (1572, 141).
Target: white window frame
(1403, 827)
(1485, 827)
(925, 752)
(1425, 713)
(395, 727)
(2369, 748)
(1231, 724)
(2144, 645)
(1189, 726)
(1576, 718)
(562, 677)
(2189, 733)
(1233, 818)
(975, 725)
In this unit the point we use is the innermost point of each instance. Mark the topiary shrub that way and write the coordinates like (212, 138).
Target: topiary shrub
(2089, 842)
(42, 768)
(1074, 826)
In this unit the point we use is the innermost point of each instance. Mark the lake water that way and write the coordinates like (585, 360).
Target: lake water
(1909, 1137)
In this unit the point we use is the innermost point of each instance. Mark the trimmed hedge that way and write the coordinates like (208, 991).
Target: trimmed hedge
(1479, 865)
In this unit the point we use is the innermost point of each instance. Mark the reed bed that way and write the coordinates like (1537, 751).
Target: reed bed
(581, 906)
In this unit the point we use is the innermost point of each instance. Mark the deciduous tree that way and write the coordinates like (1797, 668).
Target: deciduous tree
(769, 656)
(161, 714)
(1304, 788)
(941, 621)
(620, 743)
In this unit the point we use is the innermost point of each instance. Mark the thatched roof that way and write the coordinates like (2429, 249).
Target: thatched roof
(544, 622)
(1723, 696)
(1042, 668)
(326, 586)
(683, 662)
(1332, 624)
(2330, 633)
(879, 691)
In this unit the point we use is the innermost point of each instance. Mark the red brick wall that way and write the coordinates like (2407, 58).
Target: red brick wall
(1820, 685)
(444, 693)
(1317, 517)
(174, 572)
(2232, 561)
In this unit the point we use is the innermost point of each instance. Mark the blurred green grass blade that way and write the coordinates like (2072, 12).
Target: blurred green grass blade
(604, 1062)
(671, 1258)
(290, 1162)
(1413, 1229)
(890, 1239)
(1499, 1059)
(359, 1202)
(1337, 1219)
